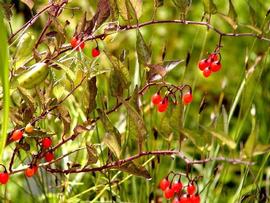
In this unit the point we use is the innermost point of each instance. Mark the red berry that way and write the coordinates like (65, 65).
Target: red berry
(16, 135)
(168, 193)
(76, 43)
(156, 99)
(184, 199)
(4, 177)
(29, 172)
(213, 57)
(207, 72)
(95, 52)
(176, 200)
(177, 187)
(195, 198)
(163, 105)
(46, 142)
(164, 183)
(49, 156)
(215, 66)
(187, 98)
(191, 189)
(203, 64)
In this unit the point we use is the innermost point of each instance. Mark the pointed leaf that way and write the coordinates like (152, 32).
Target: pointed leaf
(27, 98)
(24, 48)
(182, 5)
(130, 9)
(138, 122)
(261, 149)
(198, 140)
(143, 52)
(231, 18)
(132, 168)
(121, 70)
(116, 87)
(65, 118)
(92, 154)
(112, 137)
(225, 139)
(92, 89)
(170, 65)
(209, 6)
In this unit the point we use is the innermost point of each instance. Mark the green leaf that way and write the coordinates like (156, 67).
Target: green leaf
(116, 87)
(4, 75)
(65, 118)
(182, 5)
(231, 18)
(209, 6)
(261, 149)
(171, 122)
(121, 70)
(225, 139)
(35, 75)
(24, 48)
(143, 52)
(130, 9)
(137, 122)
(27, 98)
(112, 137)
(132, 168)
(198, 140)
(251, 141)
(114, 10)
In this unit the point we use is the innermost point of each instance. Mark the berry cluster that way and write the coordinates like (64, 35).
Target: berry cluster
(162, 103)
(79, 44)
(179, 193)
(210, 64)
(45, 144)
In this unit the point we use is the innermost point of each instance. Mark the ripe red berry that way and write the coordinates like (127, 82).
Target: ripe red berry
(177, 187)
(73, 42)
(184, 199)
(187, 98)
(215, 66)
(156, 99)
(195, 198)
(213, 57)
(16, 135)
(29, 172)
(203, 64)
(176, 200)
(95, 52)
(4, 177)
(164, 183)
(168, 193)
(46, 142)
(163, 105)
(76, 43)
(207, 72)
(191, 188)
(49, 156)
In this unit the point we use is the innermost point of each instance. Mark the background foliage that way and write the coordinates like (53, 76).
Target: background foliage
(228, 117)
